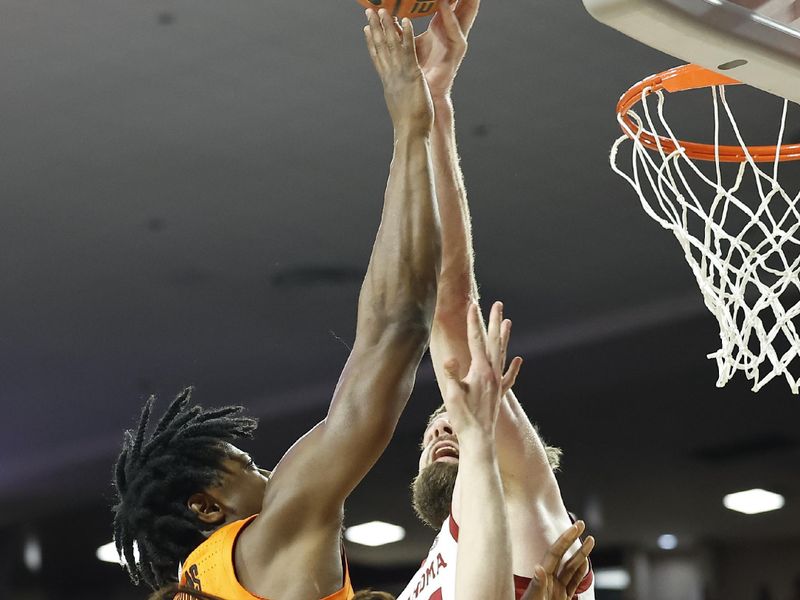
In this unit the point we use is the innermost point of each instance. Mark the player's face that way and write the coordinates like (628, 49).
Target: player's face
(242, 486)
(439, 443)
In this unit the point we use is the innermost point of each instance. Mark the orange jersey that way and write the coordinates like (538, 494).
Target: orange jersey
(209, 568)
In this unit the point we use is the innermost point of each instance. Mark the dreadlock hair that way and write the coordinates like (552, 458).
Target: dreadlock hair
(154, 478)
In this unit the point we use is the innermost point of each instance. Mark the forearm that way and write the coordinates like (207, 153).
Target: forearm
(400, 285)
(397, 299)
(484, 562)
(457, 286)
(522, 455)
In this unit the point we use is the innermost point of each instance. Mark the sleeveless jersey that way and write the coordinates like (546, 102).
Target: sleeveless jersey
(209, 568)
(436, 578)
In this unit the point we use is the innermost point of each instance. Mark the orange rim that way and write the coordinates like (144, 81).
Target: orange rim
(691, 77)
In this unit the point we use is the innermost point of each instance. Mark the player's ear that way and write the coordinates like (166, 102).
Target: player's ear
(207, 509)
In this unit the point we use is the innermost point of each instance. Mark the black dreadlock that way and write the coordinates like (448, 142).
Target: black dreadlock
(155, 477)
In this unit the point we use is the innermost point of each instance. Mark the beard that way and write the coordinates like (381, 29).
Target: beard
(432, 493)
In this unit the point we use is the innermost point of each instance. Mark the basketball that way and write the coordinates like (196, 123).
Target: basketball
(404, 8)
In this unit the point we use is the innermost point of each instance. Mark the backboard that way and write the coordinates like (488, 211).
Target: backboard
(754, 41)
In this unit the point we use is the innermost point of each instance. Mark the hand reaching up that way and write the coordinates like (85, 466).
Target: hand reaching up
(443, 46)
(473, 402)
(394, 56)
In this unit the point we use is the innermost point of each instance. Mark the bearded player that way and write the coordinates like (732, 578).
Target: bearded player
(186, 494)
(536, 511)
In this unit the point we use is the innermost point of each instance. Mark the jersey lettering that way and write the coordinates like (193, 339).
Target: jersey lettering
(192, 578)
(430, 573)
(436, 577)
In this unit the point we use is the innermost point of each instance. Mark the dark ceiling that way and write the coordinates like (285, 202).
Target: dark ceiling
(190, 189)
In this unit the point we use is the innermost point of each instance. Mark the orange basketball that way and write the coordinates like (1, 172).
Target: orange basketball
(404, 8)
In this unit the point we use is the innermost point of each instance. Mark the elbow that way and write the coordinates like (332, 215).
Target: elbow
(405, 313)
(416, 318)
(400, 336)
(413, 326)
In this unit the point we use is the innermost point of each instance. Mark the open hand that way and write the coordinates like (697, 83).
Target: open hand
(394, 56)
(473, 402)
(443, 46)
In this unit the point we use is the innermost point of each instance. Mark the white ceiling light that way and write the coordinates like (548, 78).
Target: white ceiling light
(374, 533)
(667, 541)
(108, 553)
(751, 502)
(611, 579)
(32, 554)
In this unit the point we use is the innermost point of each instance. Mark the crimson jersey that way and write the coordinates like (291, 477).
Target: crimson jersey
(436, 578)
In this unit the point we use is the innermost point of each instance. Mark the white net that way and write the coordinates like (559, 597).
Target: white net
(744, 253)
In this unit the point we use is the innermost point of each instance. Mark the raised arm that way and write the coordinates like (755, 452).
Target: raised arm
(483, 568)
(441, 50)
(395, 310)
(397, 300)
(521, 454)
(533, 498)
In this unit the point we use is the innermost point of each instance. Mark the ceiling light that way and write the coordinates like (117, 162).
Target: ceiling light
(611, 579)
(108, 553)
(32, 554)
(751, 502)
(667, 541)
(374, 533)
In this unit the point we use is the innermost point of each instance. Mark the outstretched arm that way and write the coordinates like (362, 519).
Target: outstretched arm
(473, 404)
(395, 310)
(441, 49)
(483, 568)
(533, 498)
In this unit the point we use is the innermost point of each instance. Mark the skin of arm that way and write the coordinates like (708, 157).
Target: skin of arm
(300, 522)
(483, 569)
(536, 511)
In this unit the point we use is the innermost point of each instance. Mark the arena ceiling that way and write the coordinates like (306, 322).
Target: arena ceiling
(190, 189)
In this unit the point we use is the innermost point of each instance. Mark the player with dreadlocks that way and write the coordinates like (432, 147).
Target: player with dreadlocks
(248, 533)
(187, 451)
(473, 404)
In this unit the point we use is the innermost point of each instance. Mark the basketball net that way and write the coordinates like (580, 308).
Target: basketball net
(743, 254)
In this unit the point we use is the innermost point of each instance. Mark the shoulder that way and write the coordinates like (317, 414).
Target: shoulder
(210, 566)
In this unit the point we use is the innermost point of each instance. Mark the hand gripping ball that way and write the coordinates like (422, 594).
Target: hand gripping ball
(404, 8)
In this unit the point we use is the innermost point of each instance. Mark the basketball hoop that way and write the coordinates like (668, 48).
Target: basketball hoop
(745, 255)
